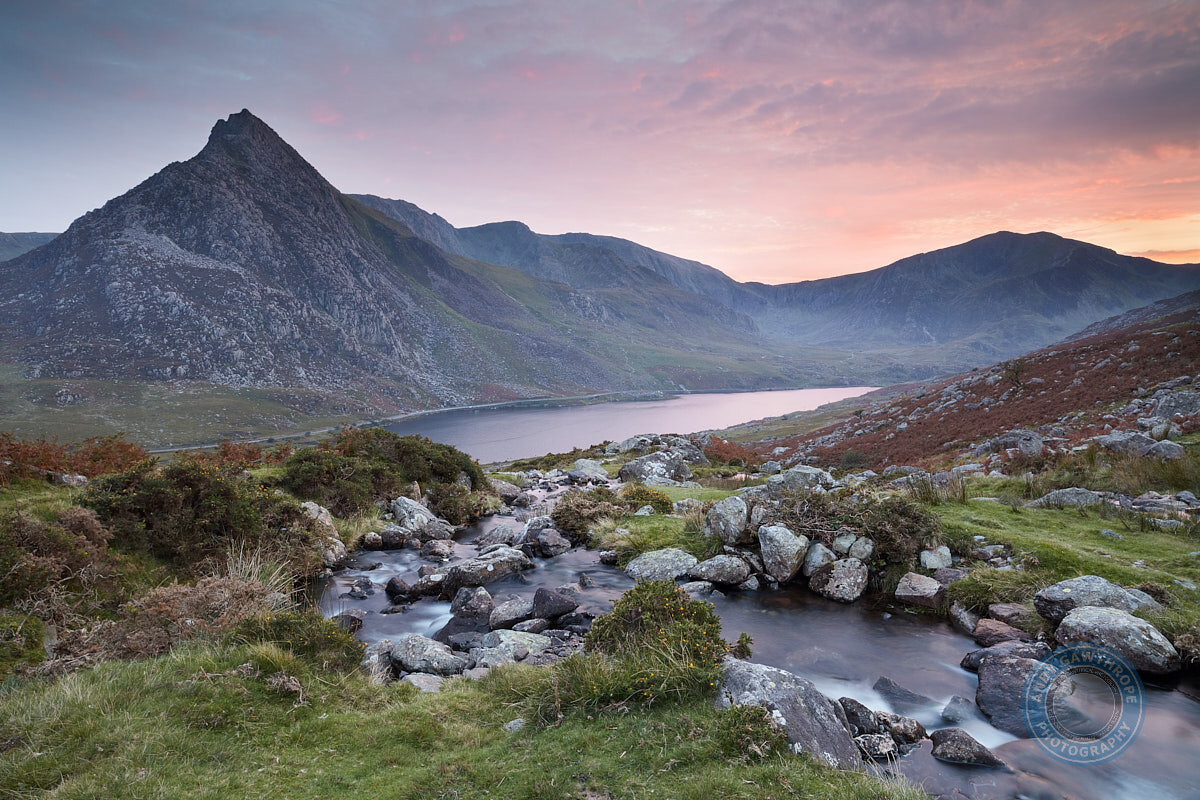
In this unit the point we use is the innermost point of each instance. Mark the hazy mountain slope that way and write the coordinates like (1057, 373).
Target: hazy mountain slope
(14, 244)
(244, 267)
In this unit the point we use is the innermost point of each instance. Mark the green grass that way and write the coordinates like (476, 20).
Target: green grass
(654, 533)
(1067, 543)
(185, 725)
(705, 494)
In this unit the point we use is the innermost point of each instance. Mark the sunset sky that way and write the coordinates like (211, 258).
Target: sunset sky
(777, 141)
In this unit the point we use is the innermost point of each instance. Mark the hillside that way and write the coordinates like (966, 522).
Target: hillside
(1105, 377)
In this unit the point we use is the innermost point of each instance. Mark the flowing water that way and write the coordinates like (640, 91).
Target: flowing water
(843, 649)
(504, 434)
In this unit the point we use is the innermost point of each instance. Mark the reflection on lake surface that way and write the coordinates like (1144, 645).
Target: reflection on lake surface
(503, 434)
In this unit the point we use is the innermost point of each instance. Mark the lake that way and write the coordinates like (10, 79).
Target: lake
(504, 434)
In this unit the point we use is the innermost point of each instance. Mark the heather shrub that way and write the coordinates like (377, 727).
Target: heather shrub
(98, 455)
(36, 554)
(456, 504)
(343, 484)
(722, 451)
(189, 511)
(413, 458)
(234, 454)
(635, 496)
(900, 528)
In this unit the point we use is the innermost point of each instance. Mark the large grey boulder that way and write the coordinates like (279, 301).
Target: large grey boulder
(915, 589)
(1185, 403)
(799, 478)
(725, 569)
(550, 603)
(1001, 692)
(1055, 602)
(1072, 497)
(956, 746)
(592, 470)
(688, 450)
(818, 556)
(412, 652)
(1130, 442)
(1166, 450)
(472, 604)
(660, 565)
(843, 580)
(333, 549)
(482, 569)
(727, 520)
(937, 558)
(414, 519)
(663, 465)
(814, 724)
(508, 647)
(863, 721)
(1033, 650)
(510, 612)
(782, 551)
(508, 492)
(900, 697)
(1028, 443)
(1137, 640)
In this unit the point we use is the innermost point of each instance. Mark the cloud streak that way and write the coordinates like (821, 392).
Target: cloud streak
(775, 140)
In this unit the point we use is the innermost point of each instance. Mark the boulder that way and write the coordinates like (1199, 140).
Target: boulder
(508, 492)
(843, 542)
(878, 746)
(658, 565)
(412, 652)
(727, 520)
(439, 550)
(1056, 601)
(958, 709)
(1185, 403)
(535, 625)
(510, 612)
(398, 589)
(899, 697)
(501, 534)
(1009, 613)
(962, 619)
(474, 604)
(814, 724)
(782, 551)
(905, 730)
(483, 569)
(990, 632)
(1073, 497)
(729, 570)
(915, 589)
(333, 549)
(862, 549)
(799, 478)
(508, 647)
(1137, 640)
(937, 558)
(1032, 650)
(956, 746)
(414, 519)
(592, 470)
(1166, 450)
(1130, 442)
(818, 556)
(550, 543)
(662, 465)
(843, 580)
(424, 682)
(948, 576)
(550, 604)
(1028, 443)
(1001, 692)
(862, 719)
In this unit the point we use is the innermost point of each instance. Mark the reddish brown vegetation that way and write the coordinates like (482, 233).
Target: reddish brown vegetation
(722, 451)
(1107, 368)
(233, 454)
(96, 456)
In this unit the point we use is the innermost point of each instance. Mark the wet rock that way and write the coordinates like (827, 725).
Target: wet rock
(782, 551)
(990, 632)
(508, 647)
(728, 570)
(1055, 602)
(844, 580)
(962, 618)
(1064, 498)
(535, 625)
(1009, 613)
(905, 730)
(697, 589)
(937, 558)
(499, 535)
(666, 564)
(350, 621)
(862, 719)
(474, 604)
(1001, 692)
(727, 520)
(899, 697)
(439, 550)
(818, 556)
(551, 604)
(398, 589)
(958, 710)
(483, 569)
(920, 590)
(878, 746)
(1032, 650)
(956, 746)
(1135, 639)
(415, 653)
(510, 612)
(814, 724)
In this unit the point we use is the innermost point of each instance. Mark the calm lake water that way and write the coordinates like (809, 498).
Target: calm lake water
(503, 434)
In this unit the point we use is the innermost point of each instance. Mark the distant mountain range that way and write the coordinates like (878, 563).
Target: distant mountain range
(14, 244)
(244, 267)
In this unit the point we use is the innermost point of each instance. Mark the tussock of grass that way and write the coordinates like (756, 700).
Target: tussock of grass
(654, 533)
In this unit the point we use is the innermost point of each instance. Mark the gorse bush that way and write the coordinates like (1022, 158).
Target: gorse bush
(636, 495)
(188, 511)
(235, 454)
(577, 512)
(657, 645)
(458, 505)
(362, 465)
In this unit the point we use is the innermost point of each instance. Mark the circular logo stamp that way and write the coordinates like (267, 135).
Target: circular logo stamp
(1084, 703)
